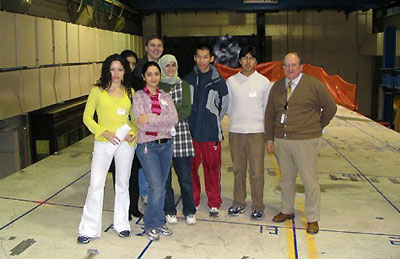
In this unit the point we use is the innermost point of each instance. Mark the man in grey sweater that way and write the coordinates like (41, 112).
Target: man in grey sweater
(299, 107)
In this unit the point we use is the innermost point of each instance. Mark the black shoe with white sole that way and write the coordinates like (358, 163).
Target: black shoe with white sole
(124, 233)
(257, 214)
(235, 210)
(83, 239)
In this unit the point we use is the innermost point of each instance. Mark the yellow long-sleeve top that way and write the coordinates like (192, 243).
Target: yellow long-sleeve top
(112, 113)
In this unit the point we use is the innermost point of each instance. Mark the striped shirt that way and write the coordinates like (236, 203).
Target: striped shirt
(155, 106)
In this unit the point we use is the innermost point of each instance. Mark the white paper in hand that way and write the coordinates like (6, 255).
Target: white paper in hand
(121, 134)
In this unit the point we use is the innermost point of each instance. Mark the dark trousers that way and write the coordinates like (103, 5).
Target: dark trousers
(183, 171)
(133, 183)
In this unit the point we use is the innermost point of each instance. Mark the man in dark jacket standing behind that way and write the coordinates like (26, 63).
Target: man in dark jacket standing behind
(209, 105)
(299, 107)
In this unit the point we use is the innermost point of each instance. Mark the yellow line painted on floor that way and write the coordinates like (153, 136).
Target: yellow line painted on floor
(311, 246)
(310, 241)
(288, 223)
(290, 239)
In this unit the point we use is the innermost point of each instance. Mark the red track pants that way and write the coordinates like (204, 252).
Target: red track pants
(210, 154)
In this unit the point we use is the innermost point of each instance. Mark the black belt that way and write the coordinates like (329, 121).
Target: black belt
(160, 141)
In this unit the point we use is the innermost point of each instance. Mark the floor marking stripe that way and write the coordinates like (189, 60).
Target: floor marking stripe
(291, 248)
(372, 136)
(362, 175)
(311, 246)
(145, 249)
(52, 196)
(148, 245)
(290, 235)
(225, 222)
(299, 228)
(295, 239)
(47, 203)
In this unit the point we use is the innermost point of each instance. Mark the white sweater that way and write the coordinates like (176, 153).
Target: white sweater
(248, 97)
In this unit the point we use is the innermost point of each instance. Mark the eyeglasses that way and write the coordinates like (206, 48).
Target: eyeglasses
(289, 65)
(246, 58)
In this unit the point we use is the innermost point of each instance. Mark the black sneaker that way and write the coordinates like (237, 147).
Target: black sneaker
(257, 214)
(235, 210)
(83, 239)
(214, 212)
(124, 233)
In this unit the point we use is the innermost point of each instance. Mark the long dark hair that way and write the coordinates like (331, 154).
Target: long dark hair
(105, 77)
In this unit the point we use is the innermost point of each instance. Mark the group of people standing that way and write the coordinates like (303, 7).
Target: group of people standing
(169, 119)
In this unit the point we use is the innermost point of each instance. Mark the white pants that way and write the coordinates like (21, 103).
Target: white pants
(92, 211)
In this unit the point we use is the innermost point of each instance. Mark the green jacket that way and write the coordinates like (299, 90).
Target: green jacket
(180, 94)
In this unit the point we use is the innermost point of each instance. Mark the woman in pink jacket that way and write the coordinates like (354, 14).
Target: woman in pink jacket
(156, 117)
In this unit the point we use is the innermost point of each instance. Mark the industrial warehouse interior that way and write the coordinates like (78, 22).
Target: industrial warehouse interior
(51, 55)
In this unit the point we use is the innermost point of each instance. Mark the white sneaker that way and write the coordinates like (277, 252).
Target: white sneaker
(171, 219)
(191, 219)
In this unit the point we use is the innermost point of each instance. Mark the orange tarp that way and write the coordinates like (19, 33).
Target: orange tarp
(343, 92)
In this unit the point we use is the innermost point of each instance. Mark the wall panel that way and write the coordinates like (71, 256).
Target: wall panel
(96, 72)
(85, 43)
(26, 41)
(74, 81)
(10, 103)
(84, 79)
(47, 86)
(127, 41)
(60, 42)
(62, 84)
(8, 47)
(115, 43)
(30, 90)
(102, 44)
(72, 43)
(44, 41)
(94, 45)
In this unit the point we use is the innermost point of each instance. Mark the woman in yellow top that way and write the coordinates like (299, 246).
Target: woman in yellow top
(111, 100)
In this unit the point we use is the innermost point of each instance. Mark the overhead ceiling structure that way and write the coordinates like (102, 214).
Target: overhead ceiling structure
(347, 6)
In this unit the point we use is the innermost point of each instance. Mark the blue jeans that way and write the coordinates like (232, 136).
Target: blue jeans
(156, 162)
(143, 185)
(183, 171)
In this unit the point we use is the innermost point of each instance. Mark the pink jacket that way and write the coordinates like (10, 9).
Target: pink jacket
(162, 124)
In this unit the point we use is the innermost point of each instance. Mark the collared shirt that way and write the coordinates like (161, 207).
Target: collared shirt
(294, 81)
(248, 97)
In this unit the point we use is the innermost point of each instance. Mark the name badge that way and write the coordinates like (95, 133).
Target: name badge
(252, 94)
(121, 111)
(283, 118)
(163, 102)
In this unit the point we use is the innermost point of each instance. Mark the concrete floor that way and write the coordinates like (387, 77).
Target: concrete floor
(359, 173)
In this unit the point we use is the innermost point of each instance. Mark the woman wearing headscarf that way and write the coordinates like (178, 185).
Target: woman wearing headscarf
(182, 141)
